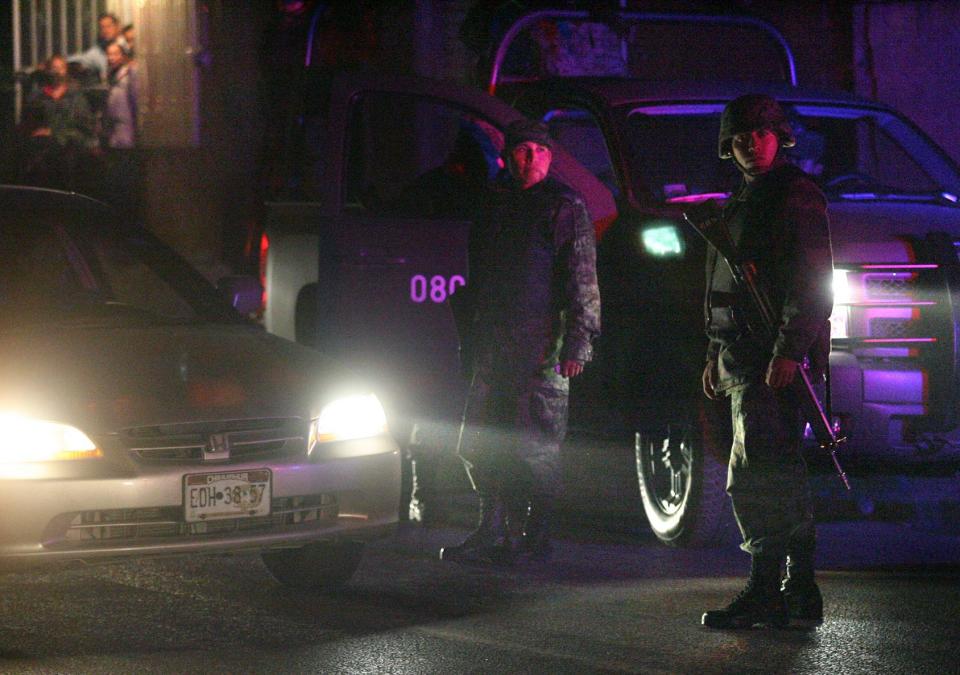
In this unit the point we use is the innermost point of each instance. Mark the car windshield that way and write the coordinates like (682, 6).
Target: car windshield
(853, 153)
(57, 265)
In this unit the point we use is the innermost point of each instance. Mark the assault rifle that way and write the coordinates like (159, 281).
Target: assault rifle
(708, 221)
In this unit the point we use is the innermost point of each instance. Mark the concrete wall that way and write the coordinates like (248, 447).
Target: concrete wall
(907, 54)
(818, 32)
(437, 49)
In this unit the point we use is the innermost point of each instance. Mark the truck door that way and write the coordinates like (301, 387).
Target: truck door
(413, 171)
(412, 163)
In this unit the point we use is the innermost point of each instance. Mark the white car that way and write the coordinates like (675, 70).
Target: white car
(140, 415)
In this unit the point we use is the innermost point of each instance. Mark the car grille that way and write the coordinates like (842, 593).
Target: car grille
(112, 527)
(246, 439)
(890, 328)
(899, 322)
(890, 285)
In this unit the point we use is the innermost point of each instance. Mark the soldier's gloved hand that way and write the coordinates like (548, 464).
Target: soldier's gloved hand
(569, 368)
(781, 372)
(709, 380)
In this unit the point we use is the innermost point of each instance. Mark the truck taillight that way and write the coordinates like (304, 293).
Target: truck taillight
(262, 272)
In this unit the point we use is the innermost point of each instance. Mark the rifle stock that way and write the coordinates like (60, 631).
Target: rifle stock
(707, 219)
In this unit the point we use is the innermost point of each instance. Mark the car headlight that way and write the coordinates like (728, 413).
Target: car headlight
(25, 439)
(349, 417)
(842, 293)
(840, 318)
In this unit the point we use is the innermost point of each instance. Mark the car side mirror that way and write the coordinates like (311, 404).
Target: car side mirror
(243, 292)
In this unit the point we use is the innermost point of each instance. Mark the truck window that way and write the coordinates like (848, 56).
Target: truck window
(852, 153)
(676, 153)
(579, 133)
(887, 161)
(418, 158)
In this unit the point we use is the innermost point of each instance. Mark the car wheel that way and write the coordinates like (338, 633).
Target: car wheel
(321, 566)
(682, 476)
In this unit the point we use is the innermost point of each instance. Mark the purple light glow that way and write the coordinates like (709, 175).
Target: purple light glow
(681, 109)
(890, 303)
(896, 266)
(895, 387)
(696, 199)
(898, 340)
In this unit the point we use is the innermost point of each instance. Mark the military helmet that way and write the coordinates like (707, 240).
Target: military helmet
(749, 113)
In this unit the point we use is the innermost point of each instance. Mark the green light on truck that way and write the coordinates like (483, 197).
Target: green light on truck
(662, 239)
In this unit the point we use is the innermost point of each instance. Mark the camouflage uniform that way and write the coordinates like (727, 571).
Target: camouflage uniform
(779, 221)
(537, 304)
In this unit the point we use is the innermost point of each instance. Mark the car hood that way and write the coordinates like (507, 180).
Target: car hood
(873, 231)
(102, 379)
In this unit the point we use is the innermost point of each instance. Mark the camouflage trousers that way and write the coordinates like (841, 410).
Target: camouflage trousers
(767, 476)
(512, 430)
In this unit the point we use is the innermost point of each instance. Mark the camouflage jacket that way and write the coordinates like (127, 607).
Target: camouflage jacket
(534, 271)
(778, 221)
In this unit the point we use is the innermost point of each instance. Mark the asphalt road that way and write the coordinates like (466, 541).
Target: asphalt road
(621, 605)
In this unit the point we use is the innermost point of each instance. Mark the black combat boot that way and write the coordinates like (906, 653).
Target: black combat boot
(800, 591)
(760, 603)
(534, 544)
(489, 543)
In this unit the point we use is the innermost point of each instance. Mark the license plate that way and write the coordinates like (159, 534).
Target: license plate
(230, 494)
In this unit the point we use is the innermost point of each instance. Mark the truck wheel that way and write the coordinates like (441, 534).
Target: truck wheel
(683, 480)
(321, 566)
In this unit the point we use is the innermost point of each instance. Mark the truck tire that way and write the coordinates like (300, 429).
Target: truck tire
(683, 476)
(321, 566)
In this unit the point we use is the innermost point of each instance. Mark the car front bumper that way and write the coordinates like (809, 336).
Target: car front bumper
(348, 490)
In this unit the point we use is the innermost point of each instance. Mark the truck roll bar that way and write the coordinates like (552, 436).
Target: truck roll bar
(526, 20)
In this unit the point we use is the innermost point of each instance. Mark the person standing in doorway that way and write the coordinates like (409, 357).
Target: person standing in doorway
(94, 61)
(120, 124)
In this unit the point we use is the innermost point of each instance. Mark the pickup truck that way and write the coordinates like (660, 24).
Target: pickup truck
(367, 269)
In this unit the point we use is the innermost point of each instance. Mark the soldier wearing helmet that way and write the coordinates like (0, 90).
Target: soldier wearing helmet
(777, 219)
(753, 112)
